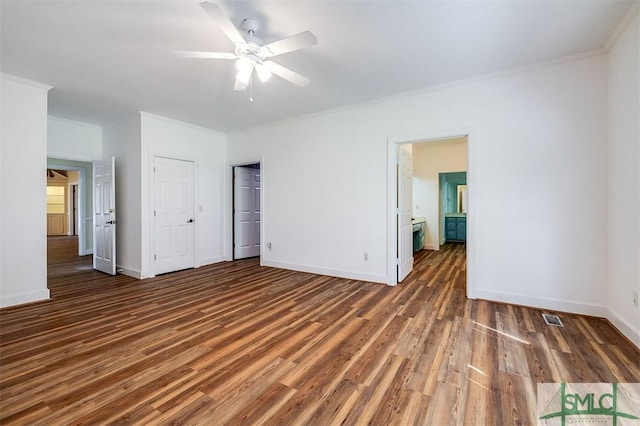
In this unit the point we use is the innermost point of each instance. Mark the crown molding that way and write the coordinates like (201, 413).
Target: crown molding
(26, 81)
(622, 25)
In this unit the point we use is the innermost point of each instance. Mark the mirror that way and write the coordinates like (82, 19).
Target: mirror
(462, 199)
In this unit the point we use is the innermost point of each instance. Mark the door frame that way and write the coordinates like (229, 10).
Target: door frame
(74, 207)
(229, 216)
(82, 222)
(233, 201)
(148, 268)
(393, 145)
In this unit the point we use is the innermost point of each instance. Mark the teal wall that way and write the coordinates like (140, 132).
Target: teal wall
(449, 195)
(449, 190)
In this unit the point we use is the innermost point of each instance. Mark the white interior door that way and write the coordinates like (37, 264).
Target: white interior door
(246, 217)
(405, 211)
(173, 215)
(104, 216)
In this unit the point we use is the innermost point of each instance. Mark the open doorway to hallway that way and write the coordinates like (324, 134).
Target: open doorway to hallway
(69, 216)
(432, 204)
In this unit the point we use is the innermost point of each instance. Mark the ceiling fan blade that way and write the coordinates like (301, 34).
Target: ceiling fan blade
(225, 24)
(204, 55)
(287, 74)
(289, 44)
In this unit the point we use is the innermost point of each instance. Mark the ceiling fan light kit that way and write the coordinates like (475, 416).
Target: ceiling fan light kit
(250, 52)
(264, 73)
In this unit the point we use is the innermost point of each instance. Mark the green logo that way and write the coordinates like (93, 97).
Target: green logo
(588, 403)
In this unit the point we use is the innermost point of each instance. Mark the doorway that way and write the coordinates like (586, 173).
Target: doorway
(79, 223)
(173, 215)
(246, 194)
(57, 203)
(70, 252)
(427, 210)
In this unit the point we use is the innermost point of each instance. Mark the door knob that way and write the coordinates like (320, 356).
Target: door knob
(190, 221)
(111, 222)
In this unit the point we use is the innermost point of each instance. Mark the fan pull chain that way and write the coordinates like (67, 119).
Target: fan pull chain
(251, 89)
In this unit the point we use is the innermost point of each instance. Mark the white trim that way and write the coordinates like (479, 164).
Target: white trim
(74, 122)
(129, 272)
(351, 275)
(393, 144)
(552, 304)
(26, 81)
(22, 298)
(59, 155)
(631, 333)
(622, 25)
(566, 306)
(211, 261)
(88, 224)
(180, 123)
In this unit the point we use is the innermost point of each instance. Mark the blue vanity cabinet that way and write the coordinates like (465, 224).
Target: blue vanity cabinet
(455, 228)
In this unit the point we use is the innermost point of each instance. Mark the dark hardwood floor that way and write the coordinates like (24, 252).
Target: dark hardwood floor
(236, 343)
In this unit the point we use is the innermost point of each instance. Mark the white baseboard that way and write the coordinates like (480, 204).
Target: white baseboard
(211, 261)
(134, 273)
(566, 306)
(351, 275)
(544, 303)
(22, 298)
(624, 327)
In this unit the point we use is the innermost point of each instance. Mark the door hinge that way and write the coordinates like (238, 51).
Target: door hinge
(397, 261)
(154, 257)
(154, 213)
(154, 169)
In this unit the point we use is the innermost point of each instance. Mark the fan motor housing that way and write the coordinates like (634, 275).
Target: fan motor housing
(250, 25)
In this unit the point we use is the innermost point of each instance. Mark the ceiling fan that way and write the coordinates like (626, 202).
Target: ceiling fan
(250, 53)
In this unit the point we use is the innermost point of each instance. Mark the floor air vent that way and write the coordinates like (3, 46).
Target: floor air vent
(552, 320)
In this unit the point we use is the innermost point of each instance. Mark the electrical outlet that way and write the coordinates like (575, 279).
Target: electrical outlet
(366, 257)
(635, 299)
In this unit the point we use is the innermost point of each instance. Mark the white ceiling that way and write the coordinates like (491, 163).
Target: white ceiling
(108, 59)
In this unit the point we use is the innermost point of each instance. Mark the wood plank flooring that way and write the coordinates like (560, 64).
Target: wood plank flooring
(236, 343)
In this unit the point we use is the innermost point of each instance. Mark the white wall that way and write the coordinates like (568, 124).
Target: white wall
(623, 221)
(324, 191)
(207, 149)
(537, 165)
(73, 140)
(23, 152)
(122, 141)
(429, 160)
